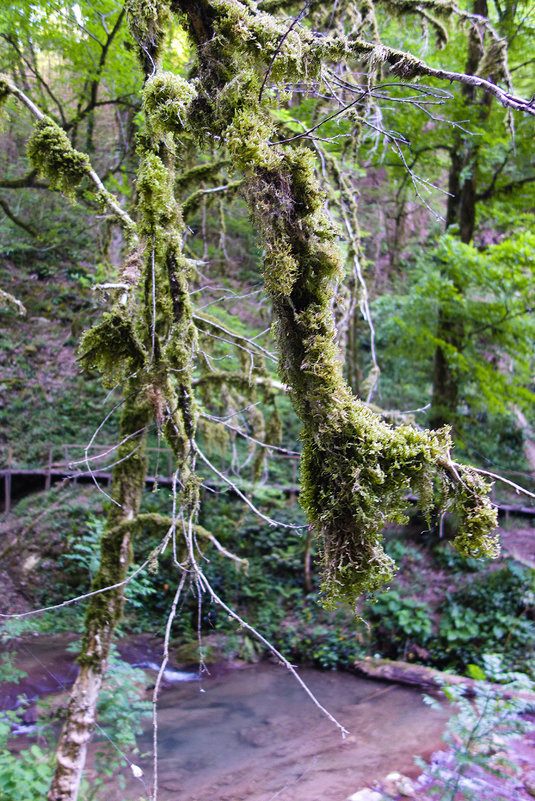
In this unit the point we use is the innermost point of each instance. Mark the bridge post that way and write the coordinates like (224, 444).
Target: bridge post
(48, 479)
(7, 482)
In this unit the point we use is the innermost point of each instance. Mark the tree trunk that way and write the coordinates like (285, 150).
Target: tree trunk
(105, 609)
(135, 338)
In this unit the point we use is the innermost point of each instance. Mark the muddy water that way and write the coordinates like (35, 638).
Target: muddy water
(251, 733)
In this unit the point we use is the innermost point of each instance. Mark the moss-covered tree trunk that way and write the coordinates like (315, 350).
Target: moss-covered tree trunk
(146, 341)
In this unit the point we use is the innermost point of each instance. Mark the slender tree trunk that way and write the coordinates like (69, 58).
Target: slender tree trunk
(105, 609)
(153, 336)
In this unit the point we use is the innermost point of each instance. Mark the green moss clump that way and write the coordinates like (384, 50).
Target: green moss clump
(403, 64)
(356, 474)
(53, 156)
(261, 36)
(155, 194)
(113, 347)
(247, 139)
(5, 91)
(167, 97)
(280, 270)
(476, 516)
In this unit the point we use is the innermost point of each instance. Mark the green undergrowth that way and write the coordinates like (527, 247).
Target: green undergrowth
(44, 398)
(25, 772)
(447, 611)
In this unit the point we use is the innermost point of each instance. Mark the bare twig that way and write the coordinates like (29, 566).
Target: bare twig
(170, 619)
(251, 439)
(244, 498)
(215, 597)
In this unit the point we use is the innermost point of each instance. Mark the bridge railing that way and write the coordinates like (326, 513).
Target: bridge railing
(52, 462)
(76, 458)
(81, 458)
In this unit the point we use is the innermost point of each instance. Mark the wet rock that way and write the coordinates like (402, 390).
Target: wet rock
(398, 784)
(529, 783)
(212, 651)
(366, 795)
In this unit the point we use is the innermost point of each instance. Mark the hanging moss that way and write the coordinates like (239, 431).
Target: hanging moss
(356, 474)
(113, 347)
(166, 98)
(247, 139)
(215, 435)
(52, 155)
(493, 65)
(147, 20)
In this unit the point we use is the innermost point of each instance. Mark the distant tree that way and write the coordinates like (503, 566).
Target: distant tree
(223, 114)
(465, 179)
(464, 326)
(79, 68)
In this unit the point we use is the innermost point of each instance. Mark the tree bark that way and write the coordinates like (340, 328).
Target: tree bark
(105, 609)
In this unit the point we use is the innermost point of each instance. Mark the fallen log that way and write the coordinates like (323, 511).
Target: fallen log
(427, 678)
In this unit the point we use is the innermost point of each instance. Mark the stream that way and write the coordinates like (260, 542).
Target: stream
(250, 733)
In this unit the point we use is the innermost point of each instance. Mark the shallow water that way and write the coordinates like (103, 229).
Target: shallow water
(252, 734)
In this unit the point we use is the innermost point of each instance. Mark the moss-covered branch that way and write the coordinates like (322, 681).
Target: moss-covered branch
(356, 468)
(52, 156)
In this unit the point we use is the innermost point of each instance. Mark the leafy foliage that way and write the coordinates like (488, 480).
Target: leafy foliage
(481, 729)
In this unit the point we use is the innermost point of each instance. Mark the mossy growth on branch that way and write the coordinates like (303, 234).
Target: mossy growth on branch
(5, 91)
(148, 21)
(356, 474)
(52, 155)
(356, 469)
(112, 346)
(155, 196)
(166, 99)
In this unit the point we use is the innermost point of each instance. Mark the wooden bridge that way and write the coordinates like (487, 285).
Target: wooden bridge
(93, 464)
(82, 464)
